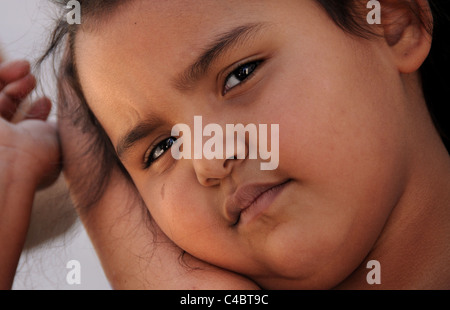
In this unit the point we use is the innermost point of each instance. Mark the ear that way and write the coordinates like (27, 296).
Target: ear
(407, 31)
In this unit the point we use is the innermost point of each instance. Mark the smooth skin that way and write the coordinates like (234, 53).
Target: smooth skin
(29, 159)
(369, 173)
(135, 253)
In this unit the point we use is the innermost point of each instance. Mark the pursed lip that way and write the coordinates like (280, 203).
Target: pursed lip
(245, 196)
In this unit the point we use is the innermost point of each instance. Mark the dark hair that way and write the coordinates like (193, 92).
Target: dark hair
(345, 13)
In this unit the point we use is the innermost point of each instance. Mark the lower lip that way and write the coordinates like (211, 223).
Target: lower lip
(263, 202)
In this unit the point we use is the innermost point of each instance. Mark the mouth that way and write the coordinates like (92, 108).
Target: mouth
(251, 200)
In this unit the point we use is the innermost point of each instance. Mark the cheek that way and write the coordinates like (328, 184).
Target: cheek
(185, 212)
(342, 119)
(342, 139)
(174, 205)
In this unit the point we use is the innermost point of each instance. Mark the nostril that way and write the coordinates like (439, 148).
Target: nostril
(208, 182)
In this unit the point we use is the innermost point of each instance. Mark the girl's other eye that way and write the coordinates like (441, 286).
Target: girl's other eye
(158, 151)
(240, 75)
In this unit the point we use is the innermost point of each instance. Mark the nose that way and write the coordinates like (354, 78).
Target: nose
(210, 172)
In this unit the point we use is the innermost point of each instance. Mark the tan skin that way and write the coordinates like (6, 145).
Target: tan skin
(357, 166)
(29, 159)
(370, 176)
(122, 239)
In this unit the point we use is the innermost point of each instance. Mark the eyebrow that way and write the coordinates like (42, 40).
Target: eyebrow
(188, 77)
(138, 132)
(214, 51)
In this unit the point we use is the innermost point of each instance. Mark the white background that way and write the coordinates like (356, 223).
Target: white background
(56, 235)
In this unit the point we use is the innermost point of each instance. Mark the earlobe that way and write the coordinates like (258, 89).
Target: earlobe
(405, 26)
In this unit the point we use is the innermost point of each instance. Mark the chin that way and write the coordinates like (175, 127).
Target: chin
(309, 268)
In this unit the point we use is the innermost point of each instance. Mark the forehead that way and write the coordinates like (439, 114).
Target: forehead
(170, 32)
(146, 43)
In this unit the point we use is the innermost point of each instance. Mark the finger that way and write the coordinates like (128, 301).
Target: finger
(13, 94)
(40, 109)
(12, 71)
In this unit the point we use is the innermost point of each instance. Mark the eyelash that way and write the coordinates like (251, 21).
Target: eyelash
(251, 66)
(164, 146)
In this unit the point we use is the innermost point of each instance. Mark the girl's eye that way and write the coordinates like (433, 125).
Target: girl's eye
(240, 75)
(158, 151)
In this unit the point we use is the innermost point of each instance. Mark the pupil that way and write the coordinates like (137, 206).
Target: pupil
(245, 71)
(169, 143)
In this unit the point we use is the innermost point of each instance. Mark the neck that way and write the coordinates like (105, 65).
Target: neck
(414, 247)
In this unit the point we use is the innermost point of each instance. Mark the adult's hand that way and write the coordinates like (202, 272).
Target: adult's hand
(29, 159)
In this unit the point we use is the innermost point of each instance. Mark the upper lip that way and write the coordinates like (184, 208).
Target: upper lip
(244, 197)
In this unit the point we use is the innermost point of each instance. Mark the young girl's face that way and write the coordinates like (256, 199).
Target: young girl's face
(338, 101)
